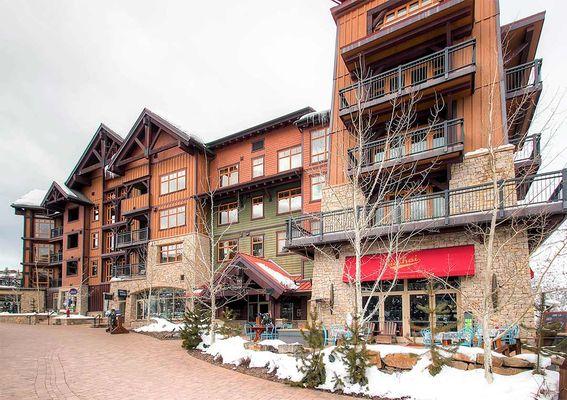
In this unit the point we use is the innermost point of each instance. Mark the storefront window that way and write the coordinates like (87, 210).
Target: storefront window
(419, 318)
(446, 311)
(167, 303)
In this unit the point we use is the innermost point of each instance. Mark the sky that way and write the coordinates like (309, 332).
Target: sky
(213, 68)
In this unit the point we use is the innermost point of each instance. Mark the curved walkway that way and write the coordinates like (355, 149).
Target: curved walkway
(79, 362)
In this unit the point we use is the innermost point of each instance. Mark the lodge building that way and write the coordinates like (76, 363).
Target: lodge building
(129, 222)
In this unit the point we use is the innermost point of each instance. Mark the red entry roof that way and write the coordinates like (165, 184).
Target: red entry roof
(442, 262)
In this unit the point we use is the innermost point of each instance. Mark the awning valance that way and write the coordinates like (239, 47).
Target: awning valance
(442, 262)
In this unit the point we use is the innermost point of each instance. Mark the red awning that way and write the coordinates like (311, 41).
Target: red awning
(443, 262)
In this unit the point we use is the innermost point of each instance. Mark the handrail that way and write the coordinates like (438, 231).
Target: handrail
(129, 237)
(128, 271)
(441, 135)
(523, 76)
(56, 257)
(528, 149)
(432, 66)
(56, 232)
(511, 194)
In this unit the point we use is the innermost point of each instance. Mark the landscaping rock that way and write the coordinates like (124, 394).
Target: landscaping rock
(474, 366)
(496, 361)
(400, 360)
(374, 359)
(463, 357)
(507, 371)
(289, 348)
(516, 362)
(459, 365)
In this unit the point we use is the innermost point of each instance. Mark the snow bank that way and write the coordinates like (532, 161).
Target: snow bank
(416, 384)
(72, 316)
(160, 325)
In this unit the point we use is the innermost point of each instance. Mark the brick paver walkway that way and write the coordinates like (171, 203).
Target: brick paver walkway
(78, 362)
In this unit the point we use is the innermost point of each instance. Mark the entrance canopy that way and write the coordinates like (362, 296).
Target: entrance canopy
(442, 262)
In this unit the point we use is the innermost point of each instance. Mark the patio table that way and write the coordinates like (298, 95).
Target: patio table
(258, 329)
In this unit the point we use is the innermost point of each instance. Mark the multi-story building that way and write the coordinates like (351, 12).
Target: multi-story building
(463, 89)
(11, 277)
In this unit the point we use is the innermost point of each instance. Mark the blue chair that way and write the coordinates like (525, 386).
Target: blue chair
(337, 331)
(466, 336)
(270, 333)
(248, 330)
(511, 336)
(426, 335)
(325, 335)
(478, 335)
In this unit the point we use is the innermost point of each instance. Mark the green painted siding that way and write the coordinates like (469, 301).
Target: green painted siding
(267, 226)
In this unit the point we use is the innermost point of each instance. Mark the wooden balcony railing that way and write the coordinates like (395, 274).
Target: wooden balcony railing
(134, 203)
(523, 77)
(543, 189)
(416, 143)
(56, 232)
(128, 271)
(56, 257)
(129, 238)
(402, 79)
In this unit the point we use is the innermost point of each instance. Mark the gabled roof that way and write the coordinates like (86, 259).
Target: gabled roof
(32, 199)
(58, 194)
(185, 139)
(521, 39)
(92, 153)
(261, 128)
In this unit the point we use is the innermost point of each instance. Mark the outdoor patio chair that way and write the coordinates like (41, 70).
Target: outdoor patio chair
(511, 336)
(426, 335)
(337, 331)
(387, 332)
(325, 335)
(478, 335)
(270, 332)
(466, 336)
(248, 330)
(368, 331)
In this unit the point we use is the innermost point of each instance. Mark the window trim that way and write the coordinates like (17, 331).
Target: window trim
(67, 267)
(237, 165)
(252, 245)
(224, 207)
(93, 235)
(252, 218)
(222, 260)
(177, 213)
(263, 167)
(263, 140)
(68, 236)
(290, 197)
(96, 213)
(311, 200)
(278, 253)
(178, 246)
(326, 141)
(69, 215)
(93, 263)
(167, 174)
(290, 155)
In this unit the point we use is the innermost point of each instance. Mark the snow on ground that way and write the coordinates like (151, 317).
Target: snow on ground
(160, 325)
(272, 342)
(417, 384)
(72, 316)
(544, 361)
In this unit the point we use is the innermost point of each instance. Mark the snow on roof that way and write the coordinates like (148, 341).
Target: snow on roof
(279, 277)
(73, 194)
(31, 199)
(314, 118)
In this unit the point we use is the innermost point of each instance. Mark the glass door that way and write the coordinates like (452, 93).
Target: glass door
(419, 317)
(393, 312)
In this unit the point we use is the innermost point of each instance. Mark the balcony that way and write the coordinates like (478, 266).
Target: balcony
(440, 141)
(527, 158)
(129, 271)
(448, 69)
(56, 257)
(56, 232)
(535, 195)
(133, 205)
(523, 89)
(131, 238)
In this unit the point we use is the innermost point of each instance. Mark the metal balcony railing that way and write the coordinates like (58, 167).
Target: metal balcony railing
(408, 144)
(56, 257)
(128, 271)
(56, 232)
(396, 81)
(128, 238)
(523, 76)
(511, 195)
(528, 150)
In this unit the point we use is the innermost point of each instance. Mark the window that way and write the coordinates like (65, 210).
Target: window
(167, 303)
(94, 268)
(281, 239)
(73, 241)
(317, 182)
(42, 228)
(42, 251)
(257, 207)
(171, 253)
(258, 145)
(109, 242)
(289, 159)
(172, 217)
(319, 145)
(96, 213)
(73, 214)
(258, 246)
(173, 182)
(228, 176)
(289, 200)
(72, 268)
(227, 249)
(228, 214)
(110, 214)
(257, 167)
(94, 240)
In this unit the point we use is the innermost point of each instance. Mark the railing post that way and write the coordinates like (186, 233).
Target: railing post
(537, 145)
(399, 79)
(447, 207)
(446, 62)
(446, 134)
(501, 198)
